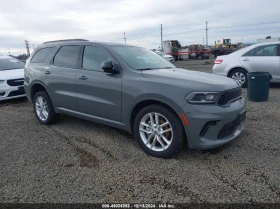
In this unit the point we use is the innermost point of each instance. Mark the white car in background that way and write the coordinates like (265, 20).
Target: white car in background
(166, 56)
(263, 57)
(11, 78)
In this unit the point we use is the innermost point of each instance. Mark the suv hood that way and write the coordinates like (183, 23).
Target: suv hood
(12, 74)
(198, 81)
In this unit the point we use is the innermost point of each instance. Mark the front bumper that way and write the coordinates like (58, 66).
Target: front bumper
(224, 126)
(11, 92)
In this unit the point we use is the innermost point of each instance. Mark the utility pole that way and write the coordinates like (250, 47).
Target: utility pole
(124, 37)
(27, 48)
(206, 33)
(161, 36)
(203, 41)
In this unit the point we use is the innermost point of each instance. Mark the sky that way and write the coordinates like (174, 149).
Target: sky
(107, 20)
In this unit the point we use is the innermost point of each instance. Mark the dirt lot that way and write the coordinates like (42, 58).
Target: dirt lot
(80, 161)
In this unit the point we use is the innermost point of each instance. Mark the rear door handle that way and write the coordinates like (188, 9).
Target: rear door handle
(246, 59)
(82, 77)
(47, 72)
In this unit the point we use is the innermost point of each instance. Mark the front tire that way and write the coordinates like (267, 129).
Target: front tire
(158, 131)
(43, 108)
(240, 75)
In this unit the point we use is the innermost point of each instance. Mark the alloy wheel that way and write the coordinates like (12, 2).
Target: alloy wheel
(42, 109)
(240, 77)
(156, 131)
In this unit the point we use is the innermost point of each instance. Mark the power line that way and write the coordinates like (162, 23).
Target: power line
(244, 30)
(174, 26)
(134, 37)
(246, 25)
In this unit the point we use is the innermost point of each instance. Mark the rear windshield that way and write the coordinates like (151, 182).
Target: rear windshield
(10, 64)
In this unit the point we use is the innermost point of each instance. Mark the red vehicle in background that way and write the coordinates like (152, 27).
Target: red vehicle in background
(199, 51)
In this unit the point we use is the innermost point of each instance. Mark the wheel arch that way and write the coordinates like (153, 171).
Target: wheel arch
(235, 68)
(139, 105)
(38, 86)
(35, 88)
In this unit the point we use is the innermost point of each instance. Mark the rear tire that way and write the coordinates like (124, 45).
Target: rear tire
(157, 140)
(240, 75)
(43, 108)
(216, 54)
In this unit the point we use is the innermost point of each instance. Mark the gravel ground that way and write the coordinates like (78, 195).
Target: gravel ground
(77, 161)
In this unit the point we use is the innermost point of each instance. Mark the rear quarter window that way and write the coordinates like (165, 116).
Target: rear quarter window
(41, 55)
(67, 56)
(249, 53)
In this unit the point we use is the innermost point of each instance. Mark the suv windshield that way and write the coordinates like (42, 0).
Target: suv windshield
(10, 64)
(141, 59)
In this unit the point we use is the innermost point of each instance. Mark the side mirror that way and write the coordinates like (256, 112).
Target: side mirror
(108, 67)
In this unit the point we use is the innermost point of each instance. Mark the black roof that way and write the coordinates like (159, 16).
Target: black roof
(78, 41)
(64, 40)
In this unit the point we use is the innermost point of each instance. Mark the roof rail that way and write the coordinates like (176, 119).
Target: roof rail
(65, 40)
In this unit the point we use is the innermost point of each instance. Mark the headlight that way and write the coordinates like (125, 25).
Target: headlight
(1, 81)
(202, 97)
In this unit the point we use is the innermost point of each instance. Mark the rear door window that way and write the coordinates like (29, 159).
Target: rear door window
(270, 50)
(67, 56)
(249, 53)
(41, 55)
(263, 51)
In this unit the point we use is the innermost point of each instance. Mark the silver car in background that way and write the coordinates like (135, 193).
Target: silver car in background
(165, 56)
(11, 78)
(263, 57)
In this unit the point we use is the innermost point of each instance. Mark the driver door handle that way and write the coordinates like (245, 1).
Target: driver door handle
(47, 72)
(246, 59)
(82, 77)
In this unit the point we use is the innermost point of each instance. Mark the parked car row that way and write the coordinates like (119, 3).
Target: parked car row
(136, 90)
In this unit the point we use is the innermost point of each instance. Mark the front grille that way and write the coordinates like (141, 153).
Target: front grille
(15, 93)
(226, 132)
(229, 128)
(15, 82)
(228, 95)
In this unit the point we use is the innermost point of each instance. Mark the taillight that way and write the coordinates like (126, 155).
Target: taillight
(218, 61)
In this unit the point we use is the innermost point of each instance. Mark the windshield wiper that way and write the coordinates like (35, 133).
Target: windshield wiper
(147, 68)
(155, 68)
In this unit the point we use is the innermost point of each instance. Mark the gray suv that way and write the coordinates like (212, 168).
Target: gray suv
(136, 90)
